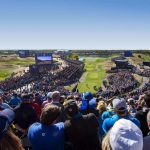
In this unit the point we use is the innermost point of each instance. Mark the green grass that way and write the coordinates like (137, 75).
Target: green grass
(95, 73)
(146, 57)
(4, 74)
(92, 76)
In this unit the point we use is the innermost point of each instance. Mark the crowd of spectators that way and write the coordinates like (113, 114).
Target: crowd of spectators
(56, 80)
(74, 122)
(122, 82)
(146, 73)
(72, 61)
(118, 84)
(118, 58)
(46, 77)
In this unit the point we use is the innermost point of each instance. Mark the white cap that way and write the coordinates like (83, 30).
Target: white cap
(125, 135)
(49, 94)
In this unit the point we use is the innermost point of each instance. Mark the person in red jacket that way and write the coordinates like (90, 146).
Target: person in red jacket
(35, 105)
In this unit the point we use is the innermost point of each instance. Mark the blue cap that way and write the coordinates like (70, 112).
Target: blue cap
(83, 105)
(92, 103)
(88, 96)
(6, 118)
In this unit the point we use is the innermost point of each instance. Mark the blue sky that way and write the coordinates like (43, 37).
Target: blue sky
(75, 24)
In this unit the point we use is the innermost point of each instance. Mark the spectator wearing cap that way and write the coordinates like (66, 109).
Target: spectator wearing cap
(15, 100)
(131, 106)
(81, 131)
(8, 140)
(121, 111)
(146, 140)
(124, 135)
(49, 99)
(142, 115)
(25, 114)
(47, 135)
(89, 104)
(2, 104)
(86, 97)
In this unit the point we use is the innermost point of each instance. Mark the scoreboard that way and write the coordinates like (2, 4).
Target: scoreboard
(43, 58)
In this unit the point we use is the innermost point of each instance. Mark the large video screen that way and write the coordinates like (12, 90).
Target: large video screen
(43, 58)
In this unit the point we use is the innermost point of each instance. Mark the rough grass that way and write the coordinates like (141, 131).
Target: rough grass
(146, 57)
(4, 74)
(21, 61)
(10, 64)
(136, 60)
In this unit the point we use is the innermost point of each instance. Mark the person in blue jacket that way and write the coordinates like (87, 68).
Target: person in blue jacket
(120, 108)
(14, 101)
(47, 135)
